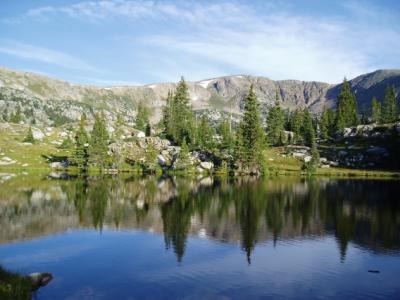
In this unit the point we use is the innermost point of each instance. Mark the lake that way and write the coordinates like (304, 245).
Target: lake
(121, 237)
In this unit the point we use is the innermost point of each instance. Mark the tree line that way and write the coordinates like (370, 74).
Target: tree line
(238, 147)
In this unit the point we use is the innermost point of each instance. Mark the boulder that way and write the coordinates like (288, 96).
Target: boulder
(39, 280)
(334, 163)
(37, 134)
(56, 165)
(307, 158)
(298, 154)
(141, 134)
(162, 161)
(206, 165)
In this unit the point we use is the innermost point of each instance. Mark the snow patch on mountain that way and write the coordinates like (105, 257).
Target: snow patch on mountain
(205, 83)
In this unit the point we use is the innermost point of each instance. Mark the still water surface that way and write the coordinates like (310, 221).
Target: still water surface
(204, 238)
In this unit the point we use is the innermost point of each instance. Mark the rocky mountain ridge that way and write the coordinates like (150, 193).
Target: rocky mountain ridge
(53, 102)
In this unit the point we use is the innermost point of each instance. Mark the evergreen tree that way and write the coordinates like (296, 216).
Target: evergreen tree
(308, 130)
(275, 123)
(311, 166)
(347, 108)
(178, 117)
(99, 142)
(148, 129)
(183, 163)
(332, 122)
(118, 126)
(81, 145)
(142, 117)
(205, 134)
(252, 139)
(376, 110)
(324, 124)
(29, 136)
(296, 126)
(227, 138)
(364, 116)
(389, 106)
(167, 113)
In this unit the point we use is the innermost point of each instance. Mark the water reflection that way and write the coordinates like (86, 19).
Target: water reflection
(245, 211)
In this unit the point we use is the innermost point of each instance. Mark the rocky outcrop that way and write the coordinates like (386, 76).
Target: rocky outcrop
(167, 154)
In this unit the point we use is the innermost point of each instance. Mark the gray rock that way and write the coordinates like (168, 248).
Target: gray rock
(307, 158)
(162, 161)
(206, 165)
(37, 134)
(56, 165)
(39, 280)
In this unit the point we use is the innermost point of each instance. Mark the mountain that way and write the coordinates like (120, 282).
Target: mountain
(51, 101)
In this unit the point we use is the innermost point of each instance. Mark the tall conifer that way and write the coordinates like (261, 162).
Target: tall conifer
(98, 147)
(389, 106)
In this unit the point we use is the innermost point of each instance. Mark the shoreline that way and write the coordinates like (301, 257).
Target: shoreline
(270, 173)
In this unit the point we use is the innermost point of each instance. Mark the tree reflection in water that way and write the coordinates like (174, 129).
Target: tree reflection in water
(246, 209)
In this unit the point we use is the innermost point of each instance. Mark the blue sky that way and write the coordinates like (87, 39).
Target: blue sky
(119, 42)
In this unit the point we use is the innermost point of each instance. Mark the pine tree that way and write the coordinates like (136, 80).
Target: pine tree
(227, 138)
(311, 166)
(296, 126)
(205, 134)
(275, 123)
(376, 110)
(252, 139)
(99, 142)
(148, 129)
(81, 145)
(183, 162)
(178, 117)
(332, 122)
(390, 109)
(142, 117)
(324, 124)
(347, 108)
(29, 136)
(119, 123)
(167, 113)
(308, 130)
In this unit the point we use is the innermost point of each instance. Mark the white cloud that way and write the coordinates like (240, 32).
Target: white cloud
(212, 38)
(45, 55)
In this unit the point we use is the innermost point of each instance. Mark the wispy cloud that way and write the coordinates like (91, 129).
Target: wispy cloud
(44, 55)
(206, 39)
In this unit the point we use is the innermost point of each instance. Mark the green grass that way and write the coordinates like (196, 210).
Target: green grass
(28, 157)
(35, 158)
(278, 163)
(14, 286)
